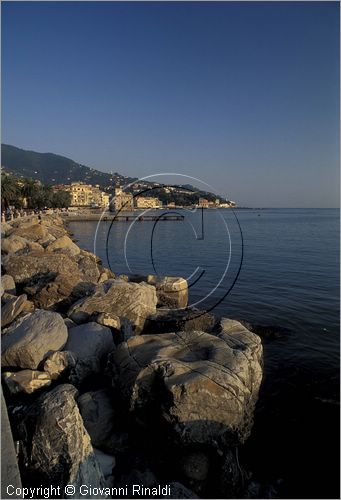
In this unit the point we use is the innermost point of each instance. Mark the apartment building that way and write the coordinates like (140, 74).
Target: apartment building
(147, 202)
(86, 195)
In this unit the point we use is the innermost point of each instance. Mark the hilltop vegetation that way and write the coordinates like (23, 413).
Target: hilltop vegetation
(51, 169)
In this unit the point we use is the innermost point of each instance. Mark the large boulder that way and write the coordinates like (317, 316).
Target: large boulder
(5, 229)
(57, 446)
(26, 381)
(25, 267)
(98, 415)
(245, 343)
(172, 292)
(91, 343)
(13, 244)
(33, 232)
(64, 243)
(106, 463)
(58, 363)
(12, 308)
(88, 266)
(8, 284)
(132, 301)
(205, 387)
(59, 293)
(32, 338)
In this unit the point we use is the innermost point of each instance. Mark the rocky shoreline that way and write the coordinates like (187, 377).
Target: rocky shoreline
(111, 382)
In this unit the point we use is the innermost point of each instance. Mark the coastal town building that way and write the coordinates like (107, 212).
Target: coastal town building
(203, 203)
(121, 200)
(85, 195)
(147, 202)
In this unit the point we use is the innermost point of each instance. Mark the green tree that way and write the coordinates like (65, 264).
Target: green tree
(42, 198)
(9, 191)
(61, 199)
(29, 190)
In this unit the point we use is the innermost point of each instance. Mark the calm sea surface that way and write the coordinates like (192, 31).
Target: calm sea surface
(286, 262)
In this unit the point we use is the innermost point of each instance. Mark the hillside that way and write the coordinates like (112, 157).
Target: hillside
(50, 168)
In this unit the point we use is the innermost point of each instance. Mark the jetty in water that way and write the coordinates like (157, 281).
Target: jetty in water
(122, 218)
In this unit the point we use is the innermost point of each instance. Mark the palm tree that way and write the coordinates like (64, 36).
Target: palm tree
(9, 191)
(29, 190)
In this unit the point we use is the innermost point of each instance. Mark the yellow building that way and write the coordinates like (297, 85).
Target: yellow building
(86, 195)
(148, 202)
(121, 201)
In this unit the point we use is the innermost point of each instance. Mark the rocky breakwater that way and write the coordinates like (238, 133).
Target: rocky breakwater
(111, 382)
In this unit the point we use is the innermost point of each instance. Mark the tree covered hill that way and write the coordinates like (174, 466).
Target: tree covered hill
(50, 168)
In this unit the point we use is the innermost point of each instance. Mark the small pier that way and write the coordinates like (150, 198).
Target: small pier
(122, 217)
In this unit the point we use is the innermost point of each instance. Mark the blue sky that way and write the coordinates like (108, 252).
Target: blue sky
(244, 96)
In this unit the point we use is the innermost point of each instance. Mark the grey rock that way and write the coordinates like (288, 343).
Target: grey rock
(32, 232)
(90, 343)
(32, 338)
(58, 363)
(61, 292)
(98, 415)
(172, 292)
(69, 323)
(59, 452)
(132, 301)
(25, 267)
(62, 243)
(5, 229)
(106, 462)
(26, 381)
(207, 386)
(89, 269)
(109, 319)
(13, 244)
(12, 309)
